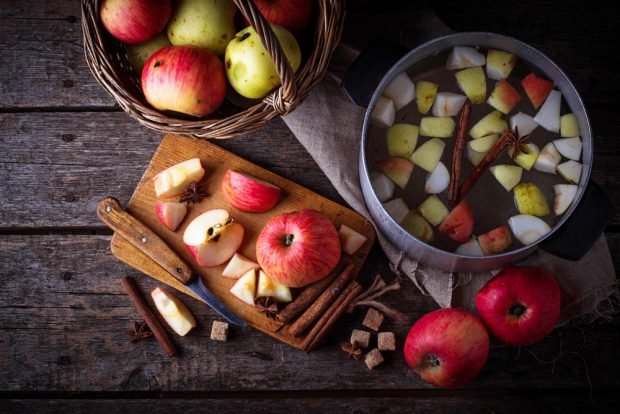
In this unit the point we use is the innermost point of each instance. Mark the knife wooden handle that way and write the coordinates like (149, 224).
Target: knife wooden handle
(143, 238)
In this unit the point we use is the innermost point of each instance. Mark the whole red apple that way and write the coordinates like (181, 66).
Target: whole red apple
(184, 79)
(249, 194)
(135, 21)
(298, 248)
(292, 14)
(447, 347)
(521, 305)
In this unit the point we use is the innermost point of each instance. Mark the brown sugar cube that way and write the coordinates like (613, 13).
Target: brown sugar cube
(219, 331)
(373, 319)
(386, 341)
(373, 358)
(362, 337)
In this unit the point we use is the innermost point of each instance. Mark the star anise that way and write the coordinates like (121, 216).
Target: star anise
(352, 349)
(139, 331)
(193, 194)
(516, 143)
(267, 306)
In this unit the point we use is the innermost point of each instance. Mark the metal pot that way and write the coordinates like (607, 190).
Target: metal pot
(572, 235)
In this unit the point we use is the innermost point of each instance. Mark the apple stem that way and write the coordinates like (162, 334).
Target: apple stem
(517, 310)
(288, 240)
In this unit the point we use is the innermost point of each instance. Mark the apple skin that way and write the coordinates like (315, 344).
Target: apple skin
(184, 79)
(135, 21)
(249, 194)
(447, 347)
(520, 305)
(292, 14)
(298, 248)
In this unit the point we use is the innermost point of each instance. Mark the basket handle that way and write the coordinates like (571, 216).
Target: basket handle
(283, 99)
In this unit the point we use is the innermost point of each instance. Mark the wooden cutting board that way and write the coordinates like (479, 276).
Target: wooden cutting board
(175, 149)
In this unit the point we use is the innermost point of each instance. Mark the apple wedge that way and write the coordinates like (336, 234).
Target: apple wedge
(397, 209)
(174, 312)
(437, 180)
(492, 123)
(569, 127)
(438, 127)
(397, 169)
(548, 159)
(433, 210)
(425, 96)
(245, 287)
(170, 214)
(526, 159)
(462, 57)
(427, 156)
(473, 83)
(507, 175)
(484, 144)
(523, 123)
(249, 194)
(238, 266)
(504, 97)
(383, 113)
(530, 200)
(528, 229)
(172, 181)
(495, 241)
(350, 240)
(269, 287)
(564, 196)
(470, 248)
(569, 147)
(548, 115)
(459, 224)
(417, 226)
(401, 90)
(382, 186)
(537, 89)
(570, 171)
(401, 140)
(500, 64)
(213, 237)
(448, 104)
(474, 156)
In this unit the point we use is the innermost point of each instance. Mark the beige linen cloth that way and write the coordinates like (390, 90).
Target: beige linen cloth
(328, 125)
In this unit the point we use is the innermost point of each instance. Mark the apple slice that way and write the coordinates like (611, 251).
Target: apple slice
(495, 241)
(569, 147)
(548, 116)
(418, 227)
(383, 113)
(269, 287)
(470, 248)
(526, 160)
(500, 64)
(507, 175)
(569, 127)
(425, 96)
(459, 224)
(463, 57)
(439, 127)
(473, 83)
(397, 209)
(448, 104)
(523, 123)
(530, 200)
(433, 210)
(213, 237)
(172, 181)
(528, 229)
(249, 194)
(504, 97)
(350, 240)
(174, 312)
(474, 156)
(548, 159)
(428, 155)
(570, 171)
(238, 266)
(401, 140)
(397, 169)
(537, 89)
(170, 214)
(382, 186)
(437, 180)
(564, 196)
(484, 144)
(245, 287)
(492, 123)
(400, 90)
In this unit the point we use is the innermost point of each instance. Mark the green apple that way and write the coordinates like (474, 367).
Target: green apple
(250, 69)
(208, 24)
(140, 53)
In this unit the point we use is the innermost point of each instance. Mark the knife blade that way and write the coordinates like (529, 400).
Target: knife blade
(148, 242)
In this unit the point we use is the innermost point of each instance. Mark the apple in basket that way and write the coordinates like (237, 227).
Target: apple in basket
(298, 248)
(135, 21)
(184, 79)
(292, 14)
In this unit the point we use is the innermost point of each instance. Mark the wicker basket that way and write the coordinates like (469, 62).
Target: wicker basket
(108, 62)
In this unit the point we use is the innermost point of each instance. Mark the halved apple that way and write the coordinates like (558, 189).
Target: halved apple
(238, 266)
(397, 209)
(350, 240)
(500, 64)
(269, 287)
(172, 181)
(564, 196)
(537, 89)
(495, 241)
(433, 210)
(548, 159)
(569, 127)
(383, 113)
(524, 123)
(382, 186)
(448, 104)
(492, 123)
(174, 312)
(463, 57)
(504, 97)
(528, 229)
(213, 237)
(526, 159)
(530, 200)
(425, 95)
(417, 226)
(170, 214)
(401, 140)
(397, 169)
(548, 116)
(249, 194)
(245, 287)
(437, 126)
(470, 248)
(437, 180)
(569, 147)
(473, 83)
(507, 175)
(400, 90)
(427, 156)
(570, 171)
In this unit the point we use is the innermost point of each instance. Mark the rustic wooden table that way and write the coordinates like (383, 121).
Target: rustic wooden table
(65, 145)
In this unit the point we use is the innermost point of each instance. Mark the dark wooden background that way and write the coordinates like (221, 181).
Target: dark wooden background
(65, 145)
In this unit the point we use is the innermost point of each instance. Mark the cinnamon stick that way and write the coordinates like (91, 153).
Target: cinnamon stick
(149, 317)
(319, 331)
(308, 295)
(457, 156)
(322, 302)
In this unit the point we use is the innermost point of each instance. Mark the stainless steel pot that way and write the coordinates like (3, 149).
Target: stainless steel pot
(573, 234)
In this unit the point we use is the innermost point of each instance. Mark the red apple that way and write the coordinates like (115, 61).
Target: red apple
(213, 237)
(521, 305)
(537, 89)
(447, 347)
(292, 14)
(298, 248)
(184, 79)
(459, 224)
(135, 21)
(249, 194)
(170, 214)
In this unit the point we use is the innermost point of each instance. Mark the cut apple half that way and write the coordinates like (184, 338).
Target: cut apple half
(528, 229)
(401, 90)
(569, 147)
(548, 159)
(172, 181)
(174, 312)
(238, 266)
(470, 248)
(269, 287)
(383, 113)
(170, 214)
(382, 186)
(564, 196)
(249, 194)
(437, 180)
(350, 240)
(245, 287)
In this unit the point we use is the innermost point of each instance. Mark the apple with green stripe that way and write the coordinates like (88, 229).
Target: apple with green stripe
(249, 194)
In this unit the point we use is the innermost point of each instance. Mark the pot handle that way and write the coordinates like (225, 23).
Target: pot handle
(583, 228)
(367, 70)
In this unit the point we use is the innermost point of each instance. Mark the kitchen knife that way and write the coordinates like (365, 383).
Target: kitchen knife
(149, 243)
